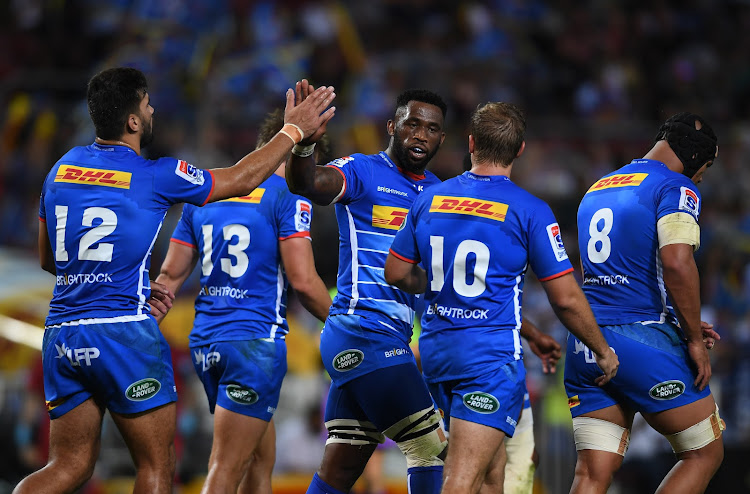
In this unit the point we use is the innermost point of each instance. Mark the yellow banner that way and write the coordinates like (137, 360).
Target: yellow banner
(622, 180)
(469, 205)
(254, 197)
(93, 176)
(388, 217)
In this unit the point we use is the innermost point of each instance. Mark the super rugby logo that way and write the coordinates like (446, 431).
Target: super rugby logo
(481, 402)
(388, 217)
(93, 176)
(303, 216)
(242, 395)
(467, 205)
(341, 161)
(189, 172)
(667, 390)
(254, 197)
(348, 360)
(143, 389)
(689, 201)
(620, 180)
(555, 239)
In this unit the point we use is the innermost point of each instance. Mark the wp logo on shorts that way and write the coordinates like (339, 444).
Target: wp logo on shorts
(241, 395)
(143, 390)
(348, 360)
(468, 205)
(93, 176)
(253, 198)
(619, 180)
(77, 355)
(388, 217)
(667, 390)
(481, 402)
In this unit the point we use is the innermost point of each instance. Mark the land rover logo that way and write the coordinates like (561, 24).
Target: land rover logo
(348, 360)
(243, 396)
(143, 389)
(481, 402)
(667, 390)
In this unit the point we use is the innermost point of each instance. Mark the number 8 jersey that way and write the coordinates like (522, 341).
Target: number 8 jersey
(617, 236)
(103, 207)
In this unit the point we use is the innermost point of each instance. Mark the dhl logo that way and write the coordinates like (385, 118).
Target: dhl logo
(93, 176)
(468, 205)
(573, 401)
(253, 198)
(388, 217)
(622, 180)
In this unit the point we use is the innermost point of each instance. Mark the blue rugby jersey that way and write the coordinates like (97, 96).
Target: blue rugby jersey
(243, 285)
(622, 273)
(477, 235)
(372, 208)
(104, 206)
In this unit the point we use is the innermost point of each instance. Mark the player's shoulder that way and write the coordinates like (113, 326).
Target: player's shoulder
(358, 158)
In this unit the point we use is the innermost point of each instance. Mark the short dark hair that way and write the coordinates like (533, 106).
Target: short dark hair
(498, 130)
(422, 95)
(112, 95)
(273, 123)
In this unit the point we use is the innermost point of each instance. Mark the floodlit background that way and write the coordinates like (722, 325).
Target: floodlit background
(596, 78)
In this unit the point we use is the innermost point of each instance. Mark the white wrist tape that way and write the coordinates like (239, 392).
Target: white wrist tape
(303, 151)
(701, 434)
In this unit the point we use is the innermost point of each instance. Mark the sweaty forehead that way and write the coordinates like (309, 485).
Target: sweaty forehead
(421, 111)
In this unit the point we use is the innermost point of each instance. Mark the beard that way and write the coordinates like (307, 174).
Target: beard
(406, 162)
(148, 133)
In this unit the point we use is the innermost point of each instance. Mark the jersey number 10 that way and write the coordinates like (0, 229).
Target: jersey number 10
(466, 247)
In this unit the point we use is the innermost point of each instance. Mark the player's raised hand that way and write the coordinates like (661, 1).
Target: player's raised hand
(548, 350)
(608, 363)
(312, 112)
(710, 337)
(160, 301)
(699, 355)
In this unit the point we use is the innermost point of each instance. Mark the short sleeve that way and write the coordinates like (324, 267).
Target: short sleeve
(357, 173)
(294, 215)
(404, 244)
(178, 181)
(678, 196)
(183, 232)
(547, 255)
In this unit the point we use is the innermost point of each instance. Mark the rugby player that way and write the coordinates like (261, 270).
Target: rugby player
(476, 234)
(377, 389)
(637, 231)
(100, 211)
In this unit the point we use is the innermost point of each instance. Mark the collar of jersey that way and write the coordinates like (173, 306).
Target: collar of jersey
(409, 174)
(487, 178)
(116, 148)
(642, 161)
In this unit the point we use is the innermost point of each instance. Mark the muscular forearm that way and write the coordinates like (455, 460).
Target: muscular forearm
(406, 276)
(315, 298)
(320, 184)
(684, 292)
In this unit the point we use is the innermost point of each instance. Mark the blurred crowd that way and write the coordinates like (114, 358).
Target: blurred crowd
(595, 77)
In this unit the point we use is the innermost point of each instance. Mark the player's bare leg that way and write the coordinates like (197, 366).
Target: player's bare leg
(257, 478)
(343, 464)
(472, 448)
(235, 438)
(149, 436)
(494, 479)
(695, 468)
(595, 468)
(74, 441)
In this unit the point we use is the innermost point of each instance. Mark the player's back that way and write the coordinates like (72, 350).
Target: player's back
(477, 235)
(243, 292)
(376, 200)
(618, 240)
(104, 206)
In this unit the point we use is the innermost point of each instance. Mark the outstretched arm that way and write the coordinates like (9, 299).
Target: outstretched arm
(300, 120)
(573, 310)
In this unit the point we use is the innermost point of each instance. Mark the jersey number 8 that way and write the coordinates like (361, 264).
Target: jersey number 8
(600, 237)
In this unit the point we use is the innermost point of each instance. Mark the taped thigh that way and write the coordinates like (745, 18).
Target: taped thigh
(602, 435)
(420, 437)
(354, 432)
(699, 435)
